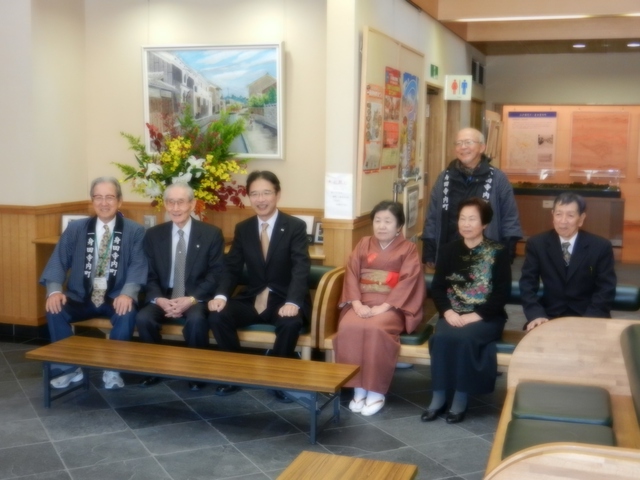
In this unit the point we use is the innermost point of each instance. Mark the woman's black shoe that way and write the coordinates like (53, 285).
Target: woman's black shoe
(455, 417)
(430, 415)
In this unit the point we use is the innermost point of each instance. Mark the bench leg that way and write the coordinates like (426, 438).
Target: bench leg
(46, 377)
(313, 423)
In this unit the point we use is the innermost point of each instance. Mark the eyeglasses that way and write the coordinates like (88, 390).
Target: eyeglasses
(106, 198)
(265, 194)
(465, 143)
(180, 203)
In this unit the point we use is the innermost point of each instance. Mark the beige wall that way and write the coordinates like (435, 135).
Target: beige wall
(72, 81)
(564, 79)
(116, 31)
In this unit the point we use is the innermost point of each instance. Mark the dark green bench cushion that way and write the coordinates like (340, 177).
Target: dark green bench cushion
(630, 343)
(562, 403)
(504, 347)
(419, 336)
(524, 433)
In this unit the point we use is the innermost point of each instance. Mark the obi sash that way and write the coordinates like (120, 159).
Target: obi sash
(377, 281)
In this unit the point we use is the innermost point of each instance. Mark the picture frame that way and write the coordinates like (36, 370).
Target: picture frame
(318, 234)
(411, 204)
(244, 80)
(67, 219)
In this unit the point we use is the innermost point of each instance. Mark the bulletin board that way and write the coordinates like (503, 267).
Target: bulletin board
(391, 120)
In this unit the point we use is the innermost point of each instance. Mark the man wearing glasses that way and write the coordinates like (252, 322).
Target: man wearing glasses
(273, 248)
(469, 175)
(102, 262)
(186, 266)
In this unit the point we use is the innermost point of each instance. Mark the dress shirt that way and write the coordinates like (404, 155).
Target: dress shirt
(572, 242)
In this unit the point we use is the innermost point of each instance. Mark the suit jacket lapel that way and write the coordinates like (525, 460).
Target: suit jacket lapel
(579, 254)
(279, 230)
(554, 250)
(254, 238)
(193, 249)
(164, 246)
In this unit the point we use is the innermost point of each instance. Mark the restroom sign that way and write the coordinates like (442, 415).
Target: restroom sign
(458, 87)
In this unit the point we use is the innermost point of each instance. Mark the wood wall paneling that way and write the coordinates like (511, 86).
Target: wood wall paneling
(23, 257)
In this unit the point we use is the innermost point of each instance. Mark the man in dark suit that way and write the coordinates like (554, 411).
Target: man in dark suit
(186, 266)
(101, 260)
(273, 247)
(575, 267)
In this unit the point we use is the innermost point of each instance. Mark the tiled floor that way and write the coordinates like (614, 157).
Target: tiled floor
(169, 432)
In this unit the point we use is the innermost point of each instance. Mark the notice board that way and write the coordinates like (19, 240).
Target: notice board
(391, 120)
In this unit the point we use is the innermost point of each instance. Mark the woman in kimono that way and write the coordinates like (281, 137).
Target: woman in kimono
(470, 287)
(382, 297)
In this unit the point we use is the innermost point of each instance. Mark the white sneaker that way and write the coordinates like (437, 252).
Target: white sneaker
(112, 380)
(63, 381)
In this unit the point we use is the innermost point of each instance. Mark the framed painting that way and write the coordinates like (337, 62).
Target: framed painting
(244, 81)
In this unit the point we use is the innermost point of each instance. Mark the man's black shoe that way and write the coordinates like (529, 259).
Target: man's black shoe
(196, 386)
(149, 381)
(224, 390)
(281, 397)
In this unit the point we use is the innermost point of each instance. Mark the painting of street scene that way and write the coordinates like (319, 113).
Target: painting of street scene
(242, 81)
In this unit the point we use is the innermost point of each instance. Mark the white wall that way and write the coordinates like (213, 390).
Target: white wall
(346, 21)
(72, 81)
(16, 104)
(42, 102)
(578, 79)
(117, 30)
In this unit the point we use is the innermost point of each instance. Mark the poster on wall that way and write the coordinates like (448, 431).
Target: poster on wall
(408, 127)
(392, 99)
(373, 128)
(243, 81)
(531, 141)
(600, 141)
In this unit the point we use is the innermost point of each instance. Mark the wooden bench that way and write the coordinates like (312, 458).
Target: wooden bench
(324, 466)
(301, 380)
(572, 351)
(255, 336)
(415, 347)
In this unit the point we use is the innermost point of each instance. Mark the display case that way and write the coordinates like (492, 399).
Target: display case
(600, 189)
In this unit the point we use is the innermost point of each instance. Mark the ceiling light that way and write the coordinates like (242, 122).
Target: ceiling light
(513, 19)
(633, 45)
(579, 45)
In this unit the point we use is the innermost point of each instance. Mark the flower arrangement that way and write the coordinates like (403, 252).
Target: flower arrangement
(192, 154)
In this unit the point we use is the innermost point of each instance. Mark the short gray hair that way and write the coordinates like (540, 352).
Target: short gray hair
(112, 180)
(183, 185)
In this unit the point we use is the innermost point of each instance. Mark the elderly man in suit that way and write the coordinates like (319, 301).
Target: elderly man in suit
(186, 266)
(575, 267)
(102, 262)
(273, 247)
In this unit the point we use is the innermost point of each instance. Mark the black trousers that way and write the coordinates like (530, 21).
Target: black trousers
(196, 329)
(241, 313)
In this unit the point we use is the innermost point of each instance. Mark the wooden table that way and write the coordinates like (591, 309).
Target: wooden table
(302, 380)
(324, 466)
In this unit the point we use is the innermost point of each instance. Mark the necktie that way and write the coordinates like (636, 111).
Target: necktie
(261, 300)
(97, 295)
(565, 252)
(178, 272)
